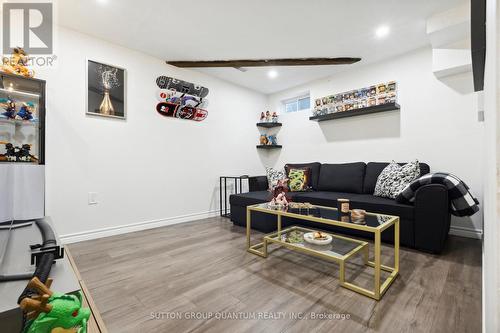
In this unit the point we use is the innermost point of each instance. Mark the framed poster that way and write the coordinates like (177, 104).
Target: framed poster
(106, 90)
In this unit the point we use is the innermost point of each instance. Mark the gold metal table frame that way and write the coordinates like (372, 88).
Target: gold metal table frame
(379, 288)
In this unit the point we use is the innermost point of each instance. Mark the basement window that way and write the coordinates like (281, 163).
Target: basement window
(300, 103)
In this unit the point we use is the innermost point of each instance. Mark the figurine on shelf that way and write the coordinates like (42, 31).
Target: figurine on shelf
(17, 64)
(271, 140)
(262, 117)
(275, 117)
(25, 112)
(263, 139)
(268, 116)
(10, 108)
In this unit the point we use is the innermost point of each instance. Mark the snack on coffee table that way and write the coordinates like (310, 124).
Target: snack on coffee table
(358, 216)
(320, 235)
(301, 205)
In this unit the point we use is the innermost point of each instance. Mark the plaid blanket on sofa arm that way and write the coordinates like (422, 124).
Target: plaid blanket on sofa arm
(462, 202)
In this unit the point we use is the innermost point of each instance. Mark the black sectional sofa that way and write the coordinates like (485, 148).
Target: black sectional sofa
(424, 225)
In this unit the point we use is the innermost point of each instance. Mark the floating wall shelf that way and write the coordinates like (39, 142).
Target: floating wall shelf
(269, 125)
(357, 112)
(269, 146)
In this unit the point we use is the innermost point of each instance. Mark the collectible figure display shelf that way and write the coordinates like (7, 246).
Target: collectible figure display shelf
(22, 119)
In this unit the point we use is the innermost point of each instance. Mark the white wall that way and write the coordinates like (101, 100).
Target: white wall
(491, 260)
(148, 167)
(436, 125)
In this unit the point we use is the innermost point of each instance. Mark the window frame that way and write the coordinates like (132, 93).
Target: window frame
(295, 100)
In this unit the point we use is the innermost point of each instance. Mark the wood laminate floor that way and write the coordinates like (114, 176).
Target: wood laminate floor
(200, 273)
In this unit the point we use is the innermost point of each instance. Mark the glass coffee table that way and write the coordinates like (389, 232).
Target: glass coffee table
(341, 248)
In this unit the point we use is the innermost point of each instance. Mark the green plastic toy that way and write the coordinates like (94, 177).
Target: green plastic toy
(55, 312)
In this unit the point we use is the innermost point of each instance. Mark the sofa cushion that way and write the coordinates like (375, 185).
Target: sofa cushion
(322, 198)
(394, 178)
(274, 176)
(347, 177)
(315, 170)
(257, 183)
(249, 198)
(299, 179)
(373, 170)
(380, 205)
(368, 202)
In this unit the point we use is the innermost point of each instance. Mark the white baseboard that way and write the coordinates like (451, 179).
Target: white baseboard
(123, 229)
(466, 232)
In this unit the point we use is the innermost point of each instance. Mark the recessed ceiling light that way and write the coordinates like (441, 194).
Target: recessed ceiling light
(382, 31)
(102, 2)
(272, 74)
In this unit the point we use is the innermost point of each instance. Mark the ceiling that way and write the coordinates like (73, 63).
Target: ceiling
(256, 29)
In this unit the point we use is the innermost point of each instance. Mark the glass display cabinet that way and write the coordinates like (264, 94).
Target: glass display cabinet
(22, 119)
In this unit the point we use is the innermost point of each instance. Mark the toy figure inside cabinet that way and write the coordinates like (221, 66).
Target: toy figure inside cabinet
(9, 106)
(17, 154)
(26, 111)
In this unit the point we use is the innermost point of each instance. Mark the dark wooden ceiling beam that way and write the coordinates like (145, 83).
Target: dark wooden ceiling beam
(265, 62)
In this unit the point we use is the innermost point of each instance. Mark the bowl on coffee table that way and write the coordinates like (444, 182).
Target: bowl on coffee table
(318, 238)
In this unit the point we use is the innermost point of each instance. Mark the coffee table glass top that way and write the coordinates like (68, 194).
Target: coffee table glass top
(328, 213)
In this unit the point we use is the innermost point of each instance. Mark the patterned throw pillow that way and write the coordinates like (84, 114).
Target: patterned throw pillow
(299, 179)
(288, 167)
(394, 178)
(273, 176)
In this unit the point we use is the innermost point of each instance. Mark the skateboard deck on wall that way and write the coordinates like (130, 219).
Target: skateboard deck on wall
(172, 96)
(170, 83)
(180, 105)
(181, 99)
(169, 109)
